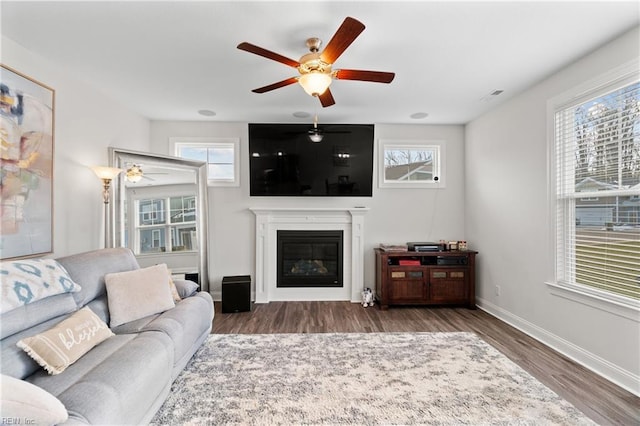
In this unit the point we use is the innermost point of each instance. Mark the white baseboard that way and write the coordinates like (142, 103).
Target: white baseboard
(598, 365)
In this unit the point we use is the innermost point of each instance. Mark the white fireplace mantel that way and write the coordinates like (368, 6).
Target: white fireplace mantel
(270, 220)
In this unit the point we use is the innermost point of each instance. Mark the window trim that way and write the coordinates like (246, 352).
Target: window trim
(616, 78)
(176, 142)
(440, 168)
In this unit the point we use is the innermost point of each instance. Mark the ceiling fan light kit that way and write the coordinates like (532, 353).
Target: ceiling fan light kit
(315, 137)
(314, 68)
(315, 134)
(315, 83)
(134, 173)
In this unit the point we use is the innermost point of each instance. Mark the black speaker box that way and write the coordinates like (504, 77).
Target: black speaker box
(236, 294)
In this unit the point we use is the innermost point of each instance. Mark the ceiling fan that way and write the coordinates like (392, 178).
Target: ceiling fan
(315, 134)
(134, 173)
(315, 67)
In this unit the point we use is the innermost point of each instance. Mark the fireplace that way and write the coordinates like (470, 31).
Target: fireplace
(271, 220)
(310, 258)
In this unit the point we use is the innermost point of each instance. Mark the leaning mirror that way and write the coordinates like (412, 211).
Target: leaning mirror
(159, 211)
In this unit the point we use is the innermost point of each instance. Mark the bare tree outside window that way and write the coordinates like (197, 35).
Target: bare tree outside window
(598, 192)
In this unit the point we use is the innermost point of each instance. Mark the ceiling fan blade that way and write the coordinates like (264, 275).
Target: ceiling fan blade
(277, 85)
(346, 34)
(362, 75)
(252, 48)
(326, 99)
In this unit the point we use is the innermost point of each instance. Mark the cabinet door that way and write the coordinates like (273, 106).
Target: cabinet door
(407, 285)
(448, 285)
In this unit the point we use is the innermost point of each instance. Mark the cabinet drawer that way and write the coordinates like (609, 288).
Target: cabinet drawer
(447, 274)
(406, 273)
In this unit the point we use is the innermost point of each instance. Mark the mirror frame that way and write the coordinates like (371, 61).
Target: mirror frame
(117, 157)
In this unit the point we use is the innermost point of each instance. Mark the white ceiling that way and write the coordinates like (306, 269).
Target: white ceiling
(167, 60)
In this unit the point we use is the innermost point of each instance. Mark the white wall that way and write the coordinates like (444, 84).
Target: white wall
(396, 215)
(508, 221)
(86, 124)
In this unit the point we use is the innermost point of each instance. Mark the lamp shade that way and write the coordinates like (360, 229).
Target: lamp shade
(315, 83)
(104, 172)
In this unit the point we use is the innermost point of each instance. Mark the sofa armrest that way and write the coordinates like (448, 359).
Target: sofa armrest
(185, 288)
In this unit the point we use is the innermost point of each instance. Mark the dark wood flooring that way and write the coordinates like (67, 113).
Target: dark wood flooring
(599, 399)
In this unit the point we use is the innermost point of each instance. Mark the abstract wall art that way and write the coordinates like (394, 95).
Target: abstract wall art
(26, 165)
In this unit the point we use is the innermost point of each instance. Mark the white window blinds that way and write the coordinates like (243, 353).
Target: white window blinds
(597, 145)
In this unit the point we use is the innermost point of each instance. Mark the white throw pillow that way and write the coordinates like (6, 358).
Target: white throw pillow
(137, 294)
(174, 290)
(22, 401)
(29, 280)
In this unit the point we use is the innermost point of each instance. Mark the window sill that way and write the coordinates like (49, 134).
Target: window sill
(223, 183)
(617, 305)
(167, 253)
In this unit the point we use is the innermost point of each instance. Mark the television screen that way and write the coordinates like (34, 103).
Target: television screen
(286, 162)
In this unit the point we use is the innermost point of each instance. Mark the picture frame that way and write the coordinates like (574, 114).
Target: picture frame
(27, 110)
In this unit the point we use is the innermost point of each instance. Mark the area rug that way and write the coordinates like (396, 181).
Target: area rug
(359, 379)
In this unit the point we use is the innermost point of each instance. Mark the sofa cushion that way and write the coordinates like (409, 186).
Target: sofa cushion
(88, 269)
(15, 361)
(22, 400)
(100, 307)
(61, 382)
(187, 324)
(29, 280)
(136, 326)
(35, 313)
(137, 294)
(59, 347)
(116, 383)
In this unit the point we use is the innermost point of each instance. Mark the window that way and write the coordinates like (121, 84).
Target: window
(597, 182)
(151, 212)
(159, 231)
(411, 164)
(221, 155)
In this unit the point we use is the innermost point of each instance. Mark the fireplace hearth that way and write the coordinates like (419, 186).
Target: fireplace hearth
(310, 258)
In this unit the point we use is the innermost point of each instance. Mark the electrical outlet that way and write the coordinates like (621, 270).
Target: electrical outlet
(497, 290)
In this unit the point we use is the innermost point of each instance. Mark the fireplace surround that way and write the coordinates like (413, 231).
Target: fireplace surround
(271, 220)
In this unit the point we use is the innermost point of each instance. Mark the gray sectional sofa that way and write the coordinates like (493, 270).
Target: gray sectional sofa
(126, 378)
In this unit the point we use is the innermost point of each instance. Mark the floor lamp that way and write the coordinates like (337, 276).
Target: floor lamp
(107, 174)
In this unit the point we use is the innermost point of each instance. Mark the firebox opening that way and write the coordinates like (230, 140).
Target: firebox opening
(310, 258)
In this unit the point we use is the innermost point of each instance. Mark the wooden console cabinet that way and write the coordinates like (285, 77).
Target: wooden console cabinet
(425, 278)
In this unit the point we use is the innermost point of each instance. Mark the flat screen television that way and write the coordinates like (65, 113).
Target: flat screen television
(284, 161)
